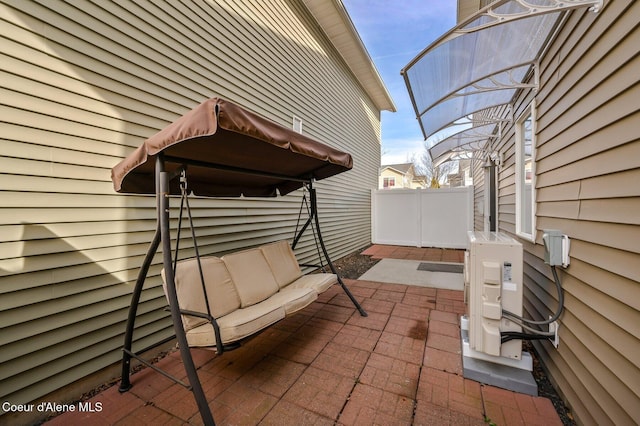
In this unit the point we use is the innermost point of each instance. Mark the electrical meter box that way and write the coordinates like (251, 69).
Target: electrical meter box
(493, 282)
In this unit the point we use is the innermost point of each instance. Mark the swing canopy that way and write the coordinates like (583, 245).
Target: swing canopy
(229, 152)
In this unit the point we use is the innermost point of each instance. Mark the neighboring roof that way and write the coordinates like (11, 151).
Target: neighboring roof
(229, 152)
(402, 167)
(479, 65)
(334, 20)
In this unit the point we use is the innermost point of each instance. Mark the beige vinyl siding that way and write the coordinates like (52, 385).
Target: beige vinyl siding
(466, 8)
(587, 171)
(477, 171)
(84, 83)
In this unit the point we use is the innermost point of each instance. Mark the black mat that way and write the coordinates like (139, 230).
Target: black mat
(456, 268)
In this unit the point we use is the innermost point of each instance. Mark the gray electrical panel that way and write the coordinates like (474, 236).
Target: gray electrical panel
(556, 247)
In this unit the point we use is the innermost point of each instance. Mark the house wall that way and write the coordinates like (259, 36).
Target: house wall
(467, 8)
(587, 173)
(479, 213)
(388, 173)
(402, 180)
(82, 85)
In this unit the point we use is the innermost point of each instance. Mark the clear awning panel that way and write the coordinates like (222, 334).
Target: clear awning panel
(484, 61)
(445, 113)
(471, 139)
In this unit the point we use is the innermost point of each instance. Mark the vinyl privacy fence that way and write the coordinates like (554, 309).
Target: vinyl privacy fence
(422, 217)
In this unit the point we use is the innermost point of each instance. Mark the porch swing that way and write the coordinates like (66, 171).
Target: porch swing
(219, 149)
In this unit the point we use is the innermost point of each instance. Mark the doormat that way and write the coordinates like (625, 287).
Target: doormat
(402, 271)
(455, 268)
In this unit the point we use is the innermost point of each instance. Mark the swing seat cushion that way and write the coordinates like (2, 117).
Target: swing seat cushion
(237, 325)
(244, 322)
(317, 282)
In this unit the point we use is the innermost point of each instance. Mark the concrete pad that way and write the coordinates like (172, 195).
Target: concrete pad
(402, 271)
(502, 376)
(496, 374)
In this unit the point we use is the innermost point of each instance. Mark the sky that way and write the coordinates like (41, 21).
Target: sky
(395, 32)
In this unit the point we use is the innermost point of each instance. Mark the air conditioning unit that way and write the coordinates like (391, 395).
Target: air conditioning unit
(493, 282)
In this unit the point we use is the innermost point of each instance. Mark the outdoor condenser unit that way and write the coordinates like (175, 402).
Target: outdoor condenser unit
(493, 282)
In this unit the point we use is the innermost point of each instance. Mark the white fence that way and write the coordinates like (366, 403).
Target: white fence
(422, 217)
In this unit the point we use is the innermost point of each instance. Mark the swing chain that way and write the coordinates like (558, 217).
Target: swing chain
(184, 202)
(183, 180)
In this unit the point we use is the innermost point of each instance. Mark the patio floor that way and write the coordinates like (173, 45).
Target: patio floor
(401, 365)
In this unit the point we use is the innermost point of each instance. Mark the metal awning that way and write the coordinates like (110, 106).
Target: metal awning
(457, 146)
(480, 64)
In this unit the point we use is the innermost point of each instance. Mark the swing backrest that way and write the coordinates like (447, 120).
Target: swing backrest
(251, 275)
(237, 280)
(221, 291)
(282, 261)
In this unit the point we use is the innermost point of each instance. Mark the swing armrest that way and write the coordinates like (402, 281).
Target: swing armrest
(214, 324)
(197, 314)
(194, 314)
(212, 320)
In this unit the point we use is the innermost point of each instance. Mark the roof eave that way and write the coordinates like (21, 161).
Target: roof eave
(334, 20)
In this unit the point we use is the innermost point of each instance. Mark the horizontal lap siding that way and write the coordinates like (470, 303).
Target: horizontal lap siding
(587, 171)
(84, 83)
(479, 188)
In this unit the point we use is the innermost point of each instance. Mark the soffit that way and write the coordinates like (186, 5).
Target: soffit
(334, 20)
(483, 62)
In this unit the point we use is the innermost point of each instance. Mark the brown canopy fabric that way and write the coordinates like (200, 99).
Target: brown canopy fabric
(229, 152)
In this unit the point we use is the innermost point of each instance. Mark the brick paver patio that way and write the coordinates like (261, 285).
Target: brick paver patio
(401, 365)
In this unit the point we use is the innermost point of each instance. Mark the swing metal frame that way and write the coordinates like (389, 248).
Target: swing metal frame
(167, 168)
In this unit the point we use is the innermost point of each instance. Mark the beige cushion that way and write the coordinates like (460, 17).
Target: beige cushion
(294, 299)
(282, 261)
(238, 324)
(251, 275)
(221, 293)
(317, 282)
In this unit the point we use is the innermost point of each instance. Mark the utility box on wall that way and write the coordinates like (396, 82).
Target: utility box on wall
(494, 279)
